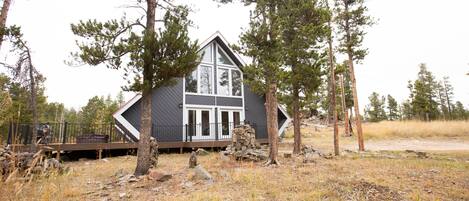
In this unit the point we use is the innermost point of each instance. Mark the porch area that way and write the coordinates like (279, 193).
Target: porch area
(81, 137)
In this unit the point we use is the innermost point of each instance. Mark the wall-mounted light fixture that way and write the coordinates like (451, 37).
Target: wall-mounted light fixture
(180, 105)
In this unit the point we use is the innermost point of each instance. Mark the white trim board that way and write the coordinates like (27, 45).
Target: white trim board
(118, 116)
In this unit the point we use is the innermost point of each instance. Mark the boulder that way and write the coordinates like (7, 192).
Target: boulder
(201, 152)
(201, 173)
(158, 176)
(244, 145)
(193, 160)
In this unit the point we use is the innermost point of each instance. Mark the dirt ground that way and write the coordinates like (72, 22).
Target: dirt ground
(383, 175)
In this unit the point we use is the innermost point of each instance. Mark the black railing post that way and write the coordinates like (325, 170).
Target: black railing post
(185, 128)
(110, 132)
(10, 132)
(192, 130)
(64, 140)
(216, 131)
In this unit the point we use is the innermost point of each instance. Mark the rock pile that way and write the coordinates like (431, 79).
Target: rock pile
(310, 154)
(26, 164)
(244, 145)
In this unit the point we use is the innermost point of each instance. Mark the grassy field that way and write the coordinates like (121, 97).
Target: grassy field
(386, 176)
(378, 175)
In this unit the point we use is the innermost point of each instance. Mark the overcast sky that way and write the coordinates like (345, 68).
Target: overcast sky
(434, 32)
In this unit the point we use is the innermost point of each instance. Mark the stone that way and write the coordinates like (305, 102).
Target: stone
(158, 176)
(193, 160)
(201, 173)
(287, 155)
(153, 152)
(244, 145)
(201, 152)
(122, 195)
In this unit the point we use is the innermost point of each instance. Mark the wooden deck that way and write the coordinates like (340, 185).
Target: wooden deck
(120, 145)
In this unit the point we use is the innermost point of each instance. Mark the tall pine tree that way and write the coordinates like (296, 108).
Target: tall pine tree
(154, 56)
(352, 19)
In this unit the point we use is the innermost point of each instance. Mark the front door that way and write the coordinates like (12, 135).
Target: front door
(200, 124)
(228, 120)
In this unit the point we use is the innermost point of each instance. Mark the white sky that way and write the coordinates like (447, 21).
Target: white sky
(435, 32)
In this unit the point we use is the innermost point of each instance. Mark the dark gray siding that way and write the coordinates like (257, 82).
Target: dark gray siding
(255, 112)
(226, 101)
(166, 114)
(200, 100)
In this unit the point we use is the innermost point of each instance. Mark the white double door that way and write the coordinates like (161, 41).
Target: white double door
(228, 119)
(201, 123)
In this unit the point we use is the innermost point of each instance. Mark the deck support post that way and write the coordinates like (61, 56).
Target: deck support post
(57, 156)
(181, 149)
(100, 154)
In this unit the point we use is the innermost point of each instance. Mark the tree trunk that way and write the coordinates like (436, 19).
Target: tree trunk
(143, 153)
(296, 120)
(332, 105)
(448, 101)
(32, 86)
(3, 18)
(358, 121)
(272, 124)
(344, 107)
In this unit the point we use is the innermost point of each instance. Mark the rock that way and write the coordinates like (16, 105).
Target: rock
(201, 173)
(153, 152)
(244, 145)
(202, 152)
(287, 155)
(127, 179)
(158, 176)
(310, 158)
(187, 184)
(122, 195)
(119, 173)
(105, 160)
(193, 160)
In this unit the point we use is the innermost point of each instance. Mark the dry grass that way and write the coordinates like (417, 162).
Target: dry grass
(400, 129)
(350, 177)
(416, 129)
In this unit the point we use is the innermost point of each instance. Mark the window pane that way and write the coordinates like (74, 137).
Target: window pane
(222, 58)
(191, 82)
(205, 80)
(207, 54)
(236, 83)
(192, 122)
(236, 118)
(225, 123)
(223, 82)
(205, 123)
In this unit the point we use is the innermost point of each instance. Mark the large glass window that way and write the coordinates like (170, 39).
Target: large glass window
(191, 82)
(222, 58)
(205, 79)
(236, 83)
(207, 54)
(223, 82)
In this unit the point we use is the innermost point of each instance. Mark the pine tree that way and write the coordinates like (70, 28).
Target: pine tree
(155, 57)
(448, 94)
(375, 110)
(459, 111)
(302, 29)
(25, 73)
(393, 111)
(263, 43)
(352, 20)
(424, 95)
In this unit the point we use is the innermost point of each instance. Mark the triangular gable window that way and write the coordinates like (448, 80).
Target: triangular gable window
(207, 54)
(222, 58)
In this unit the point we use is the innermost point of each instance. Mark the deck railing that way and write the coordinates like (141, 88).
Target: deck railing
(64, 133)
(77, 133)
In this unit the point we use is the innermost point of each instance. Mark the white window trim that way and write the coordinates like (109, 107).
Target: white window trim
(233, 64)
